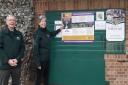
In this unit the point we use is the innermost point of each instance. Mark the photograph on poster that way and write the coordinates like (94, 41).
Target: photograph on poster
(66, 19)
(115, 16)
(82, 19)
(99, 15)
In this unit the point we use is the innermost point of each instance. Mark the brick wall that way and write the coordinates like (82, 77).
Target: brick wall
(127, 31)
(116, 66)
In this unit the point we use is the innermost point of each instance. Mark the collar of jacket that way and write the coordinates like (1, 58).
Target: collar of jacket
(6, 30)
(42, 29)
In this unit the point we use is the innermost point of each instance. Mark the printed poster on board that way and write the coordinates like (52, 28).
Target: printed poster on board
(115, 25)
(79, 26)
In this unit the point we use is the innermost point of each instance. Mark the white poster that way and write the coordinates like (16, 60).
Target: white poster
(100, 25)
(58, 25)
(115, 25)
(79, 17)
(115, 32)
(81, 34)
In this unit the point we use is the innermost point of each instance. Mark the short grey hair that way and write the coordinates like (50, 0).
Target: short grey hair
(10, 16)
(41, 17)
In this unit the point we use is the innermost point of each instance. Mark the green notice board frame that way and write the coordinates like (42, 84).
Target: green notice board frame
(77, 63)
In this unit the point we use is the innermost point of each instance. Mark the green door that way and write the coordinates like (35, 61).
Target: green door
(76, 63)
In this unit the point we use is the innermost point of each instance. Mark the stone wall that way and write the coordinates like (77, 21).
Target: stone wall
(23, 10)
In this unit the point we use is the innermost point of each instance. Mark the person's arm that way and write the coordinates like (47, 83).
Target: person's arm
(22, 49)
(36, 41)
(3, 56)
(54, 33)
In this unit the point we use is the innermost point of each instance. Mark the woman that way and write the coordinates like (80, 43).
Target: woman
(42, 50)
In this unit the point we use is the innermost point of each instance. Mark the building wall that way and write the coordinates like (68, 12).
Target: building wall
(24, 10)
(42, 5)
(116, 65)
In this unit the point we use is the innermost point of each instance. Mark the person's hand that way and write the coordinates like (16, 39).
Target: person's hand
(61, 28)
(15, 61)
(12, 62)
(39, 67)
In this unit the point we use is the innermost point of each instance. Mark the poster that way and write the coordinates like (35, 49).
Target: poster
(100, 25)
(115, 25)
(57, 25)
(100, 15)
(81, 17)
(115, 32)
(79, 26)
(81, 34)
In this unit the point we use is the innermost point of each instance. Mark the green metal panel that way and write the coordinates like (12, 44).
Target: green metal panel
(76, 63)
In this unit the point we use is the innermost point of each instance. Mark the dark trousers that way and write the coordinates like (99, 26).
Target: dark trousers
(14, 73)
(43, 74)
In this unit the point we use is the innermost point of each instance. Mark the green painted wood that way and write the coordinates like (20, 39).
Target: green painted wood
(76, 63)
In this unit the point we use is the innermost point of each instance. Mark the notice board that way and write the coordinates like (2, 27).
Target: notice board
(79, 63)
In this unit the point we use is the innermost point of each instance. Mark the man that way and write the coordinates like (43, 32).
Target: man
(42, 50)
(67, 20)
(11, 52)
